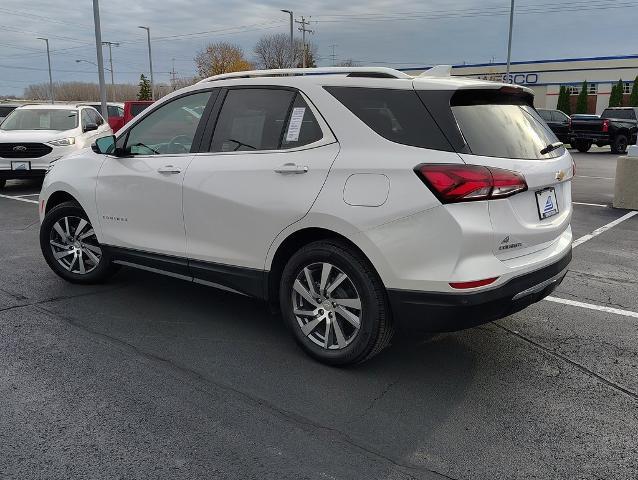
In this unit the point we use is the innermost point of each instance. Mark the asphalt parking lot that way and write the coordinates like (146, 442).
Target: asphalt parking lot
(152, 377)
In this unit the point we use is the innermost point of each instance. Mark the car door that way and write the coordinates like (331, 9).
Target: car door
(268, 159)
(139, 192)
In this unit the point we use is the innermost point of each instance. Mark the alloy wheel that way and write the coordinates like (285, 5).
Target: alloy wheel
(74, 245)
(326, 305)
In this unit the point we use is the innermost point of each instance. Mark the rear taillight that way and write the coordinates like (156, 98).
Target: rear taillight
(452, 183)
(569, 123)
(605, 126)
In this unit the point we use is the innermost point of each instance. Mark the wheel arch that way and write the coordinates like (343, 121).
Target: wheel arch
(58, 197)
(291, 244)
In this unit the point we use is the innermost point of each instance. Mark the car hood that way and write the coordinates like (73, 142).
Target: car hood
(39, 136)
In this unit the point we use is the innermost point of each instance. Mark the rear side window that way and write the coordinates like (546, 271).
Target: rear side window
(252, 119)
(620, 114)
(302, 127)
(499, 125)
(397, 115)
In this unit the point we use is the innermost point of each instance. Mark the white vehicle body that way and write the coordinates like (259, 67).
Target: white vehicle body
(29, 146)
(230, 218)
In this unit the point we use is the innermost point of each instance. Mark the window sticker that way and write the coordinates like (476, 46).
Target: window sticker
(295, 124)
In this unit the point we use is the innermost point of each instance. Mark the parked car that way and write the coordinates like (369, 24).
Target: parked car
(6, 109)
(356, 200)
(558, 122)
(32, 137)
(132, 108)
(115, 111)
(616, 126)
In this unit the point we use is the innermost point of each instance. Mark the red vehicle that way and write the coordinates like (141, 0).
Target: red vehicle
(115, 111)
(132, 108)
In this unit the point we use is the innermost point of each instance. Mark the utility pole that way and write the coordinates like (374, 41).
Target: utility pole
(292, 39)
(333, 55)
(46, 40)
(509, 43)
(111, 44)
(150, 59)
(100, 58)
(173, 75)
(303, 31)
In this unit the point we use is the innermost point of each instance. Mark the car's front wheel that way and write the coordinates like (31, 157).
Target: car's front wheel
(583, 145)
(619, 145)
(335, 303)
(71, 248)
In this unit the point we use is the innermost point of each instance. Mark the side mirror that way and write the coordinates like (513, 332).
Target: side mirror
(104, 145)
(90, 126)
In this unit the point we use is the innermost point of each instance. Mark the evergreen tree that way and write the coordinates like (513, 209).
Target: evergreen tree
(563, 101)
(633, 99)
(613, 96)
(581, 102)
(145, 89)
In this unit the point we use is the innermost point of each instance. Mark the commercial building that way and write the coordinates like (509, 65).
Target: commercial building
(546, 77)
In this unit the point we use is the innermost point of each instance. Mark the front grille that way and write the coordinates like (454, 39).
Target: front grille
(24, 150)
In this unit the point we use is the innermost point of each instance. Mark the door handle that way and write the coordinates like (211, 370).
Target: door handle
(291, 168)
(169, 169)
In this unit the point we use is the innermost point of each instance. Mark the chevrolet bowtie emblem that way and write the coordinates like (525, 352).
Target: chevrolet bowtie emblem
(560, 175)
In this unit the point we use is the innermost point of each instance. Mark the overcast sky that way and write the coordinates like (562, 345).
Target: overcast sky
(398, 33)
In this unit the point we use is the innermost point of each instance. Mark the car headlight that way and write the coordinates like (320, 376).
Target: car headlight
(62, 142)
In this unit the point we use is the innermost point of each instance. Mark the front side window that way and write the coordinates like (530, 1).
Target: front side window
(252, 119)
(44, 119)
(501, 126)
(168, 130)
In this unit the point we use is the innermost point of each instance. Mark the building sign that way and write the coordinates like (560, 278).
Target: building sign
(517, 78)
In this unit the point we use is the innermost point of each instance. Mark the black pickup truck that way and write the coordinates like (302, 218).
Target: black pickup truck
(616, 126)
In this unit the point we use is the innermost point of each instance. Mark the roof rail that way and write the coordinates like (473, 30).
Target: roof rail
(376, 72)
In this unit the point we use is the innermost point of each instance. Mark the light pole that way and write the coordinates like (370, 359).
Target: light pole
(46, 40)
(100, 58)
(292, 40)
(509, 43)
(150, 59)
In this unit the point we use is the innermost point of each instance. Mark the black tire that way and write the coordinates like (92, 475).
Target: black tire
(583, 145)
(619, 145)
(3, 182)
(375, 328)
(99, 271)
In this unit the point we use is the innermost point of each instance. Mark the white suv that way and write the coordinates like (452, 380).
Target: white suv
(356, 200)
(34, 136)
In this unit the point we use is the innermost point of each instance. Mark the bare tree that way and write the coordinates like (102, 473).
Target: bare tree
(348, 62)
(221, 57)
(273, 51)
(88, 92)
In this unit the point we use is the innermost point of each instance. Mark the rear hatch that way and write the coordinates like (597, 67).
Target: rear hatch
(587, 124)
(501, 129)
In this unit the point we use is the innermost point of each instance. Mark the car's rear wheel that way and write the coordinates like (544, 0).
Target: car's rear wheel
(619, 145)
(335, 303)
(71, 248)
(583, 145)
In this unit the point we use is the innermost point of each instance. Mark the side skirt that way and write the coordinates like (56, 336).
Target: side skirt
(242, 280)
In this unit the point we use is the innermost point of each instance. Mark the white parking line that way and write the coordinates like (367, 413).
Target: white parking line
(599, 178)
(600, 308)
(19, 199)
(28, 195)
(603, 229)
(591, 204)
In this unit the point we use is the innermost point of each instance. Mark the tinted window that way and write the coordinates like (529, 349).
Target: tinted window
(113, 111)
(302, 127)
(503, 127)
(4, 111)
(397, 115)
(86, 117)
(96, 117)
(137, 108)
(44, 119)
(545, 115)
(252, 119)
(169, 129)
(620, 114)
(559, 116)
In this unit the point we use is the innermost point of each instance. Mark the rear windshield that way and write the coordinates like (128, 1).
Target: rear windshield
(41, 119)
(397, 115)
(621, 114)
(137, 108)
(503, 126)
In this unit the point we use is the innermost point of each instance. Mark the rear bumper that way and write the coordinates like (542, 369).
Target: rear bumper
(441, 312)
(18, 174)
(595, 137)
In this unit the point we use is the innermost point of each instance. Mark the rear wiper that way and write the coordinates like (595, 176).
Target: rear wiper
(551, 147)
